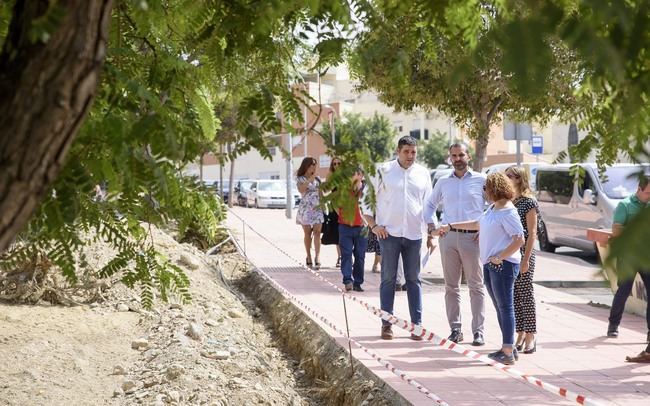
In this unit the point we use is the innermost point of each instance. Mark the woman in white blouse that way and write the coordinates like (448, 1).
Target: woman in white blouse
(501, 235)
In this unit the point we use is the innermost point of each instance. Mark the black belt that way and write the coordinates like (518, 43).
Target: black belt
(463, 231)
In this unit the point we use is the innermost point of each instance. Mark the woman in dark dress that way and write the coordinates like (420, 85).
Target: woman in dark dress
(373, 246)
(524, 298)
(333, 218)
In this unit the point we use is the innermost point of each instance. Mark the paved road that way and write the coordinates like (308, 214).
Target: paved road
(573, 351)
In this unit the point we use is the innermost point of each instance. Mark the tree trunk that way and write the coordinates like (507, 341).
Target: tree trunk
(46, 89)
(482, 137)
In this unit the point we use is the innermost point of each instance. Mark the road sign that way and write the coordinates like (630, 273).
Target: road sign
(516, 131)
(537, 142)
(324, 161)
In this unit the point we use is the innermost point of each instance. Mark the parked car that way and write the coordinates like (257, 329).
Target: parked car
(530, 166)
(270, 193)
(436, 174)
(225, 189)
(441, 167)
(240, 190)
(568, 208)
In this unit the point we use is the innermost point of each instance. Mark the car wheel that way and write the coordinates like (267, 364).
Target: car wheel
(542, 237)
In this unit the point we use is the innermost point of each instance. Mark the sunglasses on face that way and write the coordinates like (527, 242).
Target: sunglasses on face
(512, 176)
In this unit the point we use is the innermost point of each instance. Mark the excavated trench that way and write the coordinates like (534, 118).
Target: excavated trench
(326, 363)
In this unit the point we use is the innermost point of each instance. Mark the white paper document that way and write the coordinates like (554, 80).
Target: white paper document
(425, 258)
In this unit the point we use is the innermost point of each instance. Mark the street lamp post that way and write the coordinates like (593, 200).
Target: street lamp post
(330, 115)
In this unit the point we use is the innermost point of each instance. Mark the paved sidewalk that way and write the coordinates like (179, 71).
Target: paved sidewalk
(573, 352)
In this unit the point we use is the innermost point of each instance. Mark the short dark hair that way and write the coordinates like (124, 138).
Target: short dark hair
(459, 145)
(644, 181)
(406, 140)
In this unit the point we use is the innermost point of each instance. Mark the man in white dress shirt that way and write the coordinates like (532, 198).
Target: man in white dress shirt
(401, 188)
(462, 197)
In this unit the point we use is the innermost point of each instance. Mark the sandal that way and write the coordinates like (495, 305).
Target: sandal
(317, 266)
(642, 357)
(308, 262)
(519, 345)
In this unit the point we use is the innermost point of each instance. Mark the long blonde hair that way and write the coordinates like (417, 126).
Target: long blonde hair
(524, 186)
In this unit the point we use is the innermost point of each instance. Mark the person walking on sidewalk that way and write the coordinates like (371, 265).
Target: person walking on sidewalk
(625, 211)
(352, 240)
(310, 216)
(331, 225)
(401, 188)
(500, 238)
(525, 315)
(461, 194)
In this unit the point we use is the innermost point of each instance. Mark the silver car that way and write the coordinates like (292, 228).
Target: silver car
(568, 208)
(270, 193)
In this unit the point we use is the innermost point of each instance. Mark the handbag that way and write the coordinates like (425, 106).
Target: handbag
(330, 229)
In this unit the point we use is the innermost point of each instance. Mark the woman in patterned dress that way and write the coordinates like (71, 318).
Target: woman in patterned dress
(310, 215)
(525, 315)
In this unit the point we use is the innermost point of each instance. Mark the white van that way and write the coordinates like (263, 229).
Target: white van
(531, 167)
(569, 208)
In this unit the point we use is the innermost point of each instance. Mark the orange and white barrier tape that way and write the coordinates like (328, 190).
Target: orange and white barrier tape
(421, 388)
(441, 341)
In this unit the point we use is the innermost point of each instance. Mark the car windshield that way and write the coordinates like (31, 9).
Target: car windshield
(621, 181)
(271, 186)
(245, 185)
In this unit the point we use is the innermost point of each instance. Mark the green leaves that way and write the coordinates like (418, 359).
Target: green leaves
(204, 108)
(628, 252)
(181, 78)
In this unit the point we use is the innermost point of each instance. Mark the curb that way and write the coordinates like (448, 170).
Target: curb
(573, 284)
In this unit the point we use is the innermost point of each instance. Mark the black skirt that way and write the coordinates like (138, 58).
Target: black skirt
(330, 229)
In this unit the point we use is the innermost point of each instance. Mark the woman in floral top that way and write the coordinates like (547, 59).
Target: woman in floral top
(310, 215)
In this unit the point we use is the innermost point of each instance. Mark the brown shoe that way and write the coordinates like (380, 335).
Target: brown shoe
(415, 337)
(642, 357)
(386, 332)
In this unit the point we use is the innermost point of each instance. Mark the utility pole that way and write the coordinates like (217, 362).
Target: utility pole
(290, 201)
(518, 141)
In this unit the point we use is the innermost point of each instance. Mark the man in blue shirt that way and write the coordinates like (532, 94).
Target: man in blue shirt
(461, 194)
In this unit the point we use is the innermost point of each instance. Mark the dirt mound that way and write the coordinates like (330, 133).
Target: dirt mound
(213, 351)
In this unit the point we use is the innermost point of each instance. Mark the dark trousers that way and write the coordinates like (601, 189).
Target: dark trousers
(623, 292)
(352, 243)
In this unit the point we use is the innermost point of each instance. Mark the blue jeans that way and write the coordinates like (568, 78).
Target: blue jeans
(352, 242)
(391, 249)
(500, 283)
